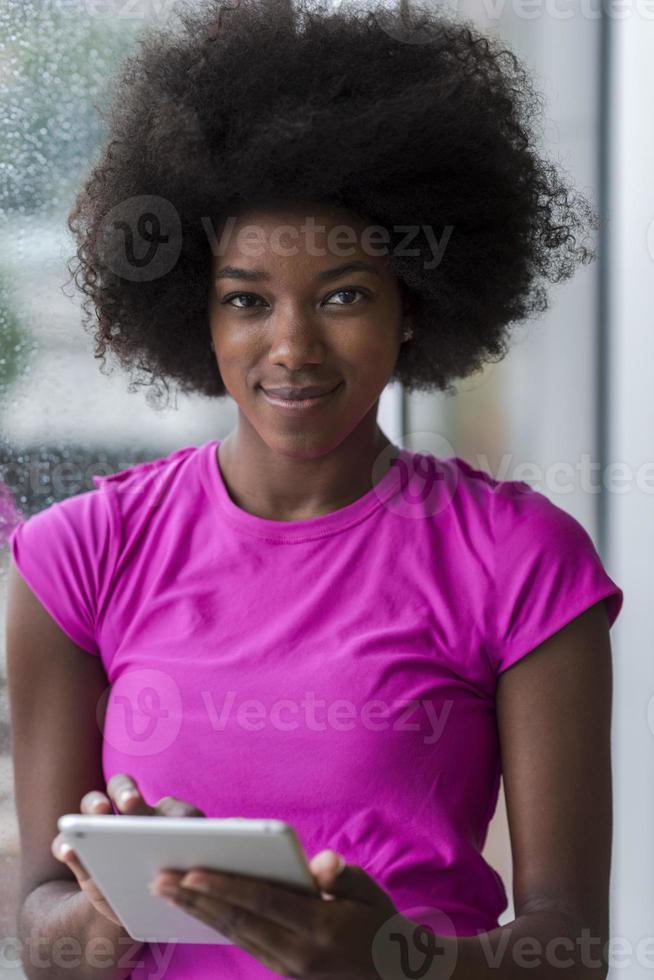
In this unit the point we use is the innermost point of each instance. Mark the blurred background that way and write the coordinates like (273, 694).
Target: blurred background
(570, 410)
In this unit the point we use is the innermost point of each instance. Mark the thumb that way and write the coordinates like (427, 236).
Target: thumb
(336, 879)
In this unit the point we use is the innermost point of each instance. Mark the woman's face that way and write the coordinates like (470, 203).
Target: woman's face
(283, 322)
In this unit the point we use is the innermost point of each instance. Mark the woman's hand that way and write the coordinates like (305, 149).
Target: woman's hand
(296, 935)
(124, 792)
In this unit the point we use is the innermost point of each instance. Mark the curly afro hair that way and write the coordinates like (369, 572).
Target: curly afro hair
(409, 118)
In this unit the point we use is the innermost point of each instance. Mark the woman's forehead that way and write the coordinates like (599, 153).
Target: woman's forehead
(316, 239)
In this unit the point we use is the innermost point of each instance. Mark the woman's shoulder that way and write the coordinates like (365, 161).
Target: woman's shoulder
(495, 513)
(97, 514)
(148, 480)
(541, 562)
(471, 494)
(504, 499)
(68, 552)
(476, 479)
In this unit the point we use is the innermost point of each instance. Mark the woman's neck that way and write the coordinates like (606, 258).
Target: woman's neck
(287, 488)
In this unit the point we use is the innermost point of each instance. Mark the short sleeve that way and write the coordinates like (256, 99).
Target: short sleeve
(547, 571)
(66, 553)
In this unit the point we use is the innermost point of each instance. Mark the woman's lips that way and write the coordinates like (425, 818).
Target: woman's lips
(299, 404)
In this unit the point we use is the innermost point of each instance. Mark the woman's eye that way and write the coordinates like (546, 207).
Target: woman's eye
(351, 290)
(340, 292)
(239, 296)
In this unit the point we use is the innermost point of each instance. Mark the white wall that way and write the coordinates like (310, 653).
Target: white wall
(631, 514)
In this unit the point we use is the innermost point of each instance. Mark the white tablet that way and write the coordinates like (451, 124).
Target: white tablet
(124, 854)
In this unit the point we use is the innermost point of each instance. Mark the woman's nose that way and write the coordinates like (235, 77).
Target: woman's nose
(295, 343)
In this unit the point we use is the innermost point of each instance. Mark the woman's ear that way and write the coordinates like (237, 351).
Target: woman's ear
(408, 312)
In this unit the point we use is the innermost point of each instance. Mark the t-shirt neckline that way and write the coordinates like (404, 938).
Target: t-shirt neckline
(302, 530)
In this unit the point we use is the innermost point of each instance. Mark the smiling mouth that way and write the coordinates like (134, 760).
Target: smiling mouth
(298, 404)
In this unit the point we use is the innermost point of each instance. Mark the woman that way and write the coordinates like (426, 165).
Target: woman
(330, 630)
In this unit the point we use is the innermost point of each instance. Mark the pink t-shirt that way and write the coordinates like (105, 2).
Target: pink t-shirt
(338, 672)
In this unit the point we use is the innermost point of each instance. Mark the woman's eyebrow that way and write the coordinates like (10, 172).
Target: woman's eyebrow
(257, 275)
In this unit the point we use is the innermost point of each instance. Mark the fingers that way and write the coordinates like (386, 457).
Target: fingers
(266, 901)
(325, 867)
(95, 802)
(350, 881)
(65, 853)
(124, 790)
(261, 938)
(92, 802)
(170, 806)
(127, 796)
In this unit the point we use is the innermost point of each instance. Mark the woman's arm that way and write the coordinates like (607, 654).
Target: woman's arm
(54, 690)
(62, 936)
(554, 721)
